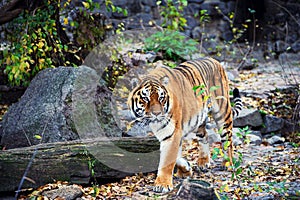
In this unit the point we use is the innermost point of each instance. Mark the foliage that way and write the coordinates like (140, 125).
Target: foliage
(172, 14)
(35, 45)
(238, 34)
(203, 18)
(39, 41)
(243, 132)
(171, 44)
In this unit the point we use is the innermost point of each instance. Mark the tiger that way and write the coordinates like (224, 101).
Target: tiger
(166, 101)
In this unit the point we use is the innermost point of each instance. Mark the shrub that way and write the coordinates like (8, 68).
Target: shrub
(171, 44)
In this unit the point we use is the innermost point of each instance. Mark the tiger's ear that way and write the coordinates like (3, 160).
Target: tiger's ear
(164, 80)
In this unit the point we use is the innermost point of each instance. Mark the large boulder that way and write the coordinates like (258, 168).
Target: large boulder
(248, 117)
(272, 124)
(60, 104)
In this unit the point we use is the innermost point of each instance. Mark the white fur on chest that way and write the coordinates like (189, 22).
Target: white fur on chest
(191, 126)
(162, 133)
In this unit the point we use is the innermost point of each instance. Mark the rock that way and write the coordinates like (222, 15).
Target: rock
(197, 33)
(289, 127)
(138, 131)
(67, 192)
(41, 110)
(255, 138)
(248, 117)
(196, 189)
(275, 140)
(193, 9)
(1, 130)
(60, 104)
(196, 1)
(213, 136)
(272, 124)
(151, 3)
(280, 46)
(296, 46)
(236, 140)
(210, 6)
(191, 22)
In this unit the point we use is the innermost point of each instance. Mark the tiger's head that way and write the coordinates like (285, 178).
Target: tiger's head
(149, 102)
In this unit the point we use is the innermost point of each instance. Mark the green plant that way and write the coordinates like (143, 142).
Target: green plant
(239, 32)
(243, 132)
(39, 40)
(172, 14)
(171, 44)
(203, 18)
(36, 45)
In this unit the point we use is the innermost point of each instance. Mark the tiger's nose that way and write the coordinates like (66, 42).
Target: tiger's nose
(156, 112)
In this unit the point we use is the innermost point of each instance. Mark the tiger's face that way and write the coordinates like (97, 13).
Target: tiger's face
(150, 102)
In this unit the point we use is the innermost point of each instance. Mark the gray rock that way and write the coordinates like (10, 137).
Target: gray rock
(64, 192)
(61, 104)
(1, 130)
(254, 139)
(296, 46)
(248, 117)
(196, 1)
(193, 9)
(275, 140)
(151, 3)
(213, 136)
(236, 140)
(41, 110)
(272, 124)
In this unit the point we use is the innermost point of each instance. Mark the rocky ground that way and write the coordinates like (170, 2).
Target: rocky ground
(266, 167)
(263, 170)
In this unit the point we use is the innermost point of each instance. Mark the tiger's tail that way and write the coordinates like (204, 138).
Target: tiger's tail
(238, 104)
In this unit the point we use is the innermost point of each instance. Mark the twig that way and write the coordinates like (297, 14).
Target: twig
(286, 10)
(24, 177)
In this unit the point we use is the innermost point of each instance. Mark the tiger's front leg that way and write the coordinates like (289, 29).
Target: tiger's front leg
(203, 149)
(168, 154)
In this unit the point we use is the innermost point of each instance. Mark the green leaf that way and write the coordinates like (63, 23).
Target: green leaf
(86, 5)
(215, 153)
(37, 137)
(196, 87)
(226, 145)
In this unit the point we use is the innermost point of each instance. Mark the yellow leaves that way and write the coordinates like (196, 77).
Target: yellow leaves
(24, 66)
(86, 5)
(41, 61)
(66, 21)
(40, 44)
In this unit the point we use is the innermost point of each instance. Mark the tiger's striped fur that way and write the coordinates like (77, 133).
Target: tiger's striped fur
(165, 100)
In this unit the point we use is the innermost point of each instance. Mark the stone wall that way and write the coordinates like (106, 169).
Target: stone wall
(277, 22)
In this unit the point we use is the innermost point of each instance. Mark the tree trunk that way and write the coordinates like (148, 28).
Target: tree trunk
(74, 161)
(12, 9)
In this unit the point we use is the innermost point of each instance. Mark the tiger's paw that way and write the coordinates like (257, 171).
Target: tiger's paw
(183, 168)
(203, 163)
(163, 185)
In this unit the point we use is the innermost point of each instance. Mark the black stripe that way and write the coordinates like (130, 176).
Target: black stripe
(168, 137)
(225, 111)
(187, 72)
(166, 124)
(171, 72)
